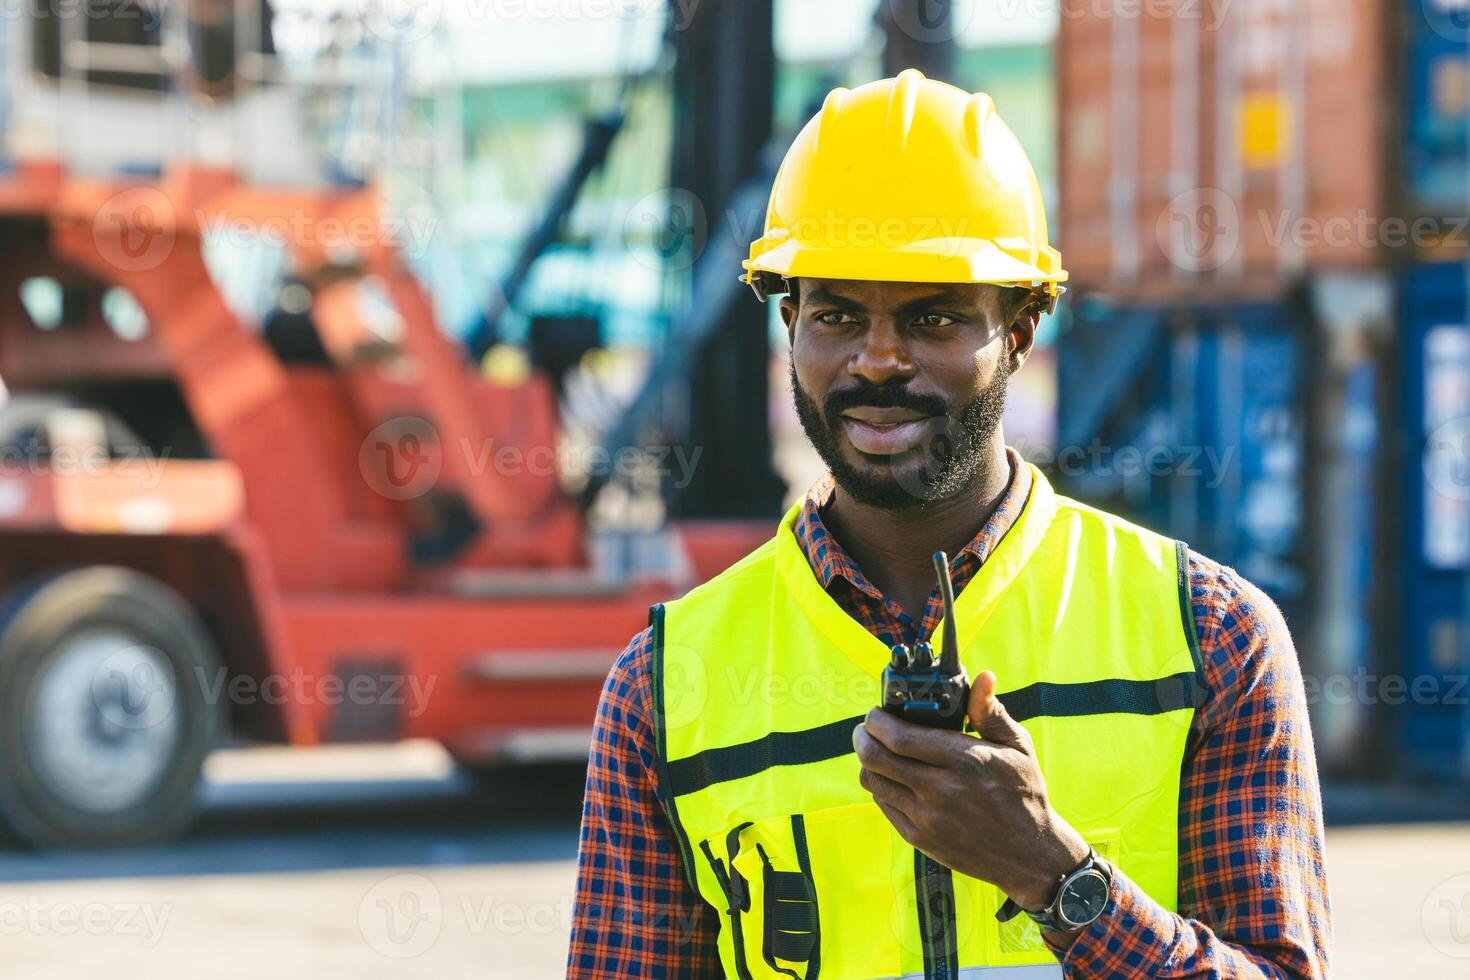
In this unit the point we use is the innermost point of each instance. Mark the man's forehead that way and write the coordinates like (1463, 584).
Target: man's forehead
(896, 294)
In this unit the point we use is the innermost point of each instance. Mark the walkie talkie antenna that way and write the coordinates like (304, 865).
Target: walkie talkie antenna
(949, 656)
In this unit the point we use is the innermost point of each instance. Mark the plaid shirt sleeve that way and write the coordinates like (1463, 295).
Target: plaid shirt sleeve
(635, 913)
(1252, 874)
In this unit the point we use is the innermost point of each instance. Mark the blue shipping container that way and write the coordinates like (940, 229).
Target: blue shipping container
(1437, 94)
(1434, 724)
(1224, 397)
(1208, 401)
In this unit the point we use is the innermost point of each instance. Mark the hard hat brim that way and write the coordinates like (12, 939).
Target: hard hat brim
(946, 260)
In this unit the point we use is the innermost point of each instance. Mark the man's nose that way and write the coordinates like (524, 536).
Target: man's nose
(883, 355)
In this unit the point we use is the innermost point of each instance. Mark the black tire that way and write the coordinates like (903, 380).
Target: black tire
(36, 622)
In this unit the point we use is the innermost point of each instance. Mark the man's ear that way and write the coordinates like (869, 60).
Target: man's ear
(1022, 334)
(788, 317)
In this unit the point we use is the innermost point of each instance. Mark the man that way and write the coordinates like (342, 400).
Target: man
(1138, 794)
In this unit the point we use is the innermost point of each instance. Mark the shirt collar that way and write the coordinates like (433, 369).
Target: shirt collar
(832, 564)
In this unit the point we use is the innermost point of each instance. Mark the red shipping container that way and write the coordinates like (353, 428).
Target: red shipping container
(1219, 148)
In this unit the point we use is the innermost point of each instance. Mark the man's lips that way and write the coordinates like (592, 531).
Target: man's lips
(884, 431)
(882, 416)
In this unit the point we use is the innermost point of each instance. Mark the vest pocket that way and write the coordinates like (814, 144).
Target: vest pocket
(774, 875)
(736, 890)
(770, 899)
(790, 905)
(831, 894)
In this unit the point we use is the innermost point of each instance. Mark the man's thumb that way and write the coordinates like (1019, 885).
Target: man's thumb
(988, 716)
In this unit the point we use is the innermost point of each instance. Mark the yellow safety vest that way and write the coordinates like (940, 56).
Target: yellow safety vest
(760, 677)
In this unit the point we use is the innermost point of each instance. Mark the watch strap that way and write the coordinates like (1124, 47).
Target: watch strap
(1008, 910)
(1047, 917)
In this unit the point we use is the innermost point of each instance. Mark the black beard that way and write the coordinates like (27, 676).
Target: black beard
(934, 470)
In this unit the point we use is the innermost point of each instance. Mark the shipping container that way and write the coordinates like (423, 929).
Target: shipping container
(1251, 229)
(1249, 431)
(1352, 584)
(1201, 435)
(1221, 147)
(1436, 97)
(1432, 715)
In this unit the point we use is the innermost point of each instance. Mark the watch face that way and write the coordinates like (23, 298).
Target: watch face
(1083, 898)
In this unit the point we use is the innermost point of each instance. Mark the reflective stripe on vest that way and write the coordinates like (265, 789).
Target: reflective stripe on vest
(1035, 971)
(760, 677)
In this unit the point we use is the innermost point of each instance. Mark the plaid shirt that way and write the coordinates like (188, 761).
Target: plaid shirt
(1252, 881)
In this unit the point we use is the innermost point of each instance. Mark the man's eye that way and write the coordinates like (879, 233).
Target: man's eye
(935, 320)
(834, 317)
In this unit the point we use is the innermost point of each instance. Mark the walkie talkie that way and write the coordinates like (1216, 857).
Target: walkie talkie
(923, 688)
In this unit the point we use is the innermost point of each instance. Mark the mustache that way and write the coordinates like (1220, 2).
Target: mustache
(893, 394)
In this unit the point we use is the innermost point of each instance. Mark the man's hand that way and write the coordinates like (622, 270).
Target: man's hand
(977, 806)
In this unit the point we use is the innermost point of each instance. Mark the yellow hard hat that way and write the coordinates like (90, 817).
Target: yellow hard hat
(906, 179)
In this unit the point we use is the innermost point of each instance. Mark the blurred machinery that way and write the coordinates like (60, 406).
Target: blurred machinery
(323, 525)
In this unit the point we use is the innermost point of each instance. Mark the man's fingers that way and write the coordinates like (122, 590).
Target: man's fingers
(876, 756)
(887, 791)
(900, 821)
(982, 698)
(934, 746)
(890, 778)
(990, 718)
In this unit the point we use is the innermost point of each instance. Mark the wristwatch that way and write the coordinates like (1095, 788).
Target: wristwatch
(1080, 897)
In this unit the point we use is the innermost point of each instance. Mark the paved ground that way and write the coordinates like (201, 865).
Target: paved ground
(360, 864)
